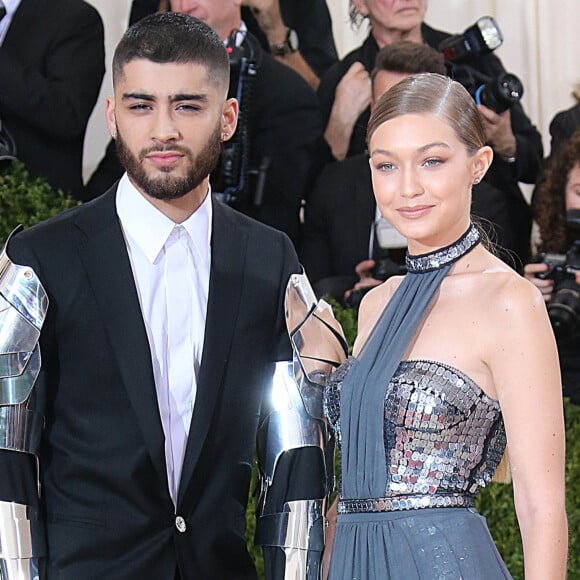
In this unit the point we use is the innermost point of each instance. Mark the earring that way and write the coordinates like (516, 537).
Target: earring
(476, 180)
(224, 136)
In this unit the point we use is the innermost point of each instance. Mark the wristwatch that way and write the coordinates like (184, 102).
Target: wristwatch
(288, 46)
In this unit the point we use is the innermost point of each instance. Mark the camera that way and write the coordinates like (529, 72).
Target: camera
(498, 93)
(564, 306)
(388, 252)
(234, 180)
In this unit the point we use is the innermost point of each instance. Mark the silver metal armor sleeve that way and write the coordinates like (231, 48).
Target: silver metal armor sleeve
(296, 421)
(21, 542)
(23, 306)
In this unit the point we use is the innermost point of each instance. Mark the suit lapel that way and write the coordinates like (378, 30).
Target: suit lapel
(227, 269)
(109, 272)
(19, 33)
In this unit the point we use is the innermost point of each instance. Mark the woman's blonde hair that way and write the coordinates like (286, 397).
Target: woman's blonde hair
(430, 93)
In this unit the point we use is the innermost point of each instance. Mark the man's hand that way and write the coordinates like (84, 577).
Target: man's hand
(269, 18)
(546, 287)
(351, 98)
(353, 92)
(498, 129)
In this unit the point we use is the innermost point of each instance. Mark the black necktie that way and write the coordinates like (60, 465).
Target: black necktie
(2, 10)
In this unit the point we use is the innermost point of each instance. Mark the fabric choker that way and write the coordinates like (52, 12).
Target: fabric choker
(364, 388)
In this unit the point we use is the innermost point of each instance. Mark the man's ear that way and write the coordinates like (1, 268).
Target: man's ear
(361, 7)
(110, 114)
(229, 119)
(481, 162)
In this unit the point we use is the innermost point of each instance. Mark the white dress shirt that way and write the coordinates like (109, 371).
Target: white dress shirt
(146, 232)
(11, 6)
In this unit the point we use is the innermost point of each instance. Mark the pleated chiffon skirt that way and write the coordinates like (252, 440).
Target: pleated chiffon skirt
(423, 544)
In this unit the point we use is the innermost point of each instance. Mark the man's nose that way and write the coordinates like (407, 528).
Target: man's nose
(165, 128)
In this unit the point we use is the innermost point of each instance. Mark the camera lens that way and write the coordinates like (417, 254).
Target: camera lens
(501, 93)
(564, 309)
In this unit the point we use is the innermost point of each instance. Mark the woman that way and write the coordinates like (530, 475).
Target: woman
(559, 192)
(451, 360)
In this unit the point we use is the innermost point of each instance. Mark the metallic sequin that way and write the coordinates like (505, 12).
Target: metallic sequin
(447, 255)
(444, 437)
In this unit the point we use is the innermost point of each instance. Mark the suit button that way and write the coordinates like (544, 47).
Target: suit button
(180, 524)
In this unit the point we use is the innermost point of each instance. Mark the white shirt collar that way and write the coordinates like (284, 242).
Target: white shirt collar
(240, 37)
(11, 7)
(150, 228)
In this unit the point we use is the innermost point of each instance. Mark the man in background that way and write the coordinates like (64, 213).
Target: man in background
(52, 62)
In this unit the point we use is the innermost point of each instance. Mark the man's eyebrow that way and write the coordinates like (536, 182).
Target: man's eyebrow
(199, 97)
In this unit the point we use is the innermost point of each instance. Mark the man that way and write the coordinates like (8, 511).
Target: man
(340, 247)
(344, 94)
(164, 323)
(281, 118)
(52, 62)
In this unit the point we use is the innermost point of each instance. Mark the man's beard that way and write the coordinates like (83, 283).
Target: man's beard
(168, 186)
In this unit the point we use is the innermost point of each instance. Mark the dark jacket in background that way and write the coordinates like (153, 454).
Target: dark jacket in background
(52, 64)
(311, 21)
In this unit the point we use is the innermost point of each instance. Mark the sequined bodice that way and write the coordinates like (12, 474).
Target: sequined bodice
(443, 435)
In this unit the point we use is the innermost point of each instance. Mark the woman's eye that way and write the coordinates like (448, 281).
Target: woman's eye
(432, 162)
(385, 166)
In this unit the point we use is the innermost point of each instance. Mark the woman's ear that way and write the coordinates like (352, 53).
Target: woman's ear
(481, 162)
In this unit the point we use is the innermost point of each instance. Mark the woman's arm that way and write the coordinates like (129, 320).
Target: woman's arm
(329, 530)
(524, 364)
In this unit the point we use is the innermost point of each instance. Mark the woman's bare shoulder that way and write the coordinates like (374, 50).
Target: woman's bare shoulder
(507, 294)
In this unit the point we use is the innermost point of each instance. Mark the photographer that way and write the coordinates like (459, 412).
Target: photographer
(345, 96)
(559, 193)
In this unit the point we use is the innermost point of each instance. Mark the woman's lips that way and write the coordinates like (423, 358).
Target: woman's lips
(414, 212)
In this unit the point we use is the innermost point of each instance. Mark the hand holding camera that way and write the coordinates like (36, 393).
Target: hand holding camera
(558, 278)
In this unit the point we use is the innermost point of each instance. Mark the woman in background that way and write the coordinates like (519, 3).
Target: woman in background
(559, 192)
(451, 361)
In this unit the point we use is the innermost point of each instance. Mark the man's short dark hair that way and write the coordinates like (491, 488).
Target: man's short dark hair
(173, 37)
(407, 57)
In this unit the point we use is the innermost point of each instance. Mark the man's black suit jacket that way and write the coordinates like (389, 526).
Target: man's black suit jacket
(103, 474)
(52, 64)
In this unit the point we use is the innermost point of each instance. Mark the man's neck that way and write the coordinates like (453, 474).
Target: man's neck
(386, 36)
(227, 29)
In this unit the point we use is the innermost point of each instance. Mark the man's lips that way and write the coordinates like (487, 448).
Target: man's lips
(164, 158)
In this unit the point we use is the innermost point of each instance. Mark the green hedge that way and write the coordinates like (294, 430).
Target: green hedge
(27, 201)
